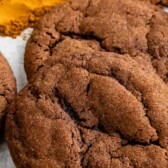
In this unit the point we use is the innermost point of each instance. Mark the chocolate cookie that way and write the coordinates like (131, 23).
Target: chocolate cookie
(7, 88)
(126, 27)
(90, 108)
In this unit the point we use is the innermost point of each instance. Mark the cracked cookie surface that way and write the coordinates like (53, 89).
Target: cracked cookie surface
(90, 108)
(7, 88)
(126, 27)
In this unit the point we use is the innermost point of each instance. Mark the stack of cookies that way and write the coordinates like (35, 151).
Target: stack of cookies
(97, 95)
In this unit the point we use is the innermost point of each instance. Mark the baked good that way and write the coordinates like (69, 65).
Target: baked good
(99, 98)
(127, 27)
(90, 108)
(7, 88)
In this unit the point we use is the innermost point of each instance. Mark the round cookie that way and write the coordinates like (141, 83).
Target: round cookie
(127, 27)
(90, 109)
(7, 88)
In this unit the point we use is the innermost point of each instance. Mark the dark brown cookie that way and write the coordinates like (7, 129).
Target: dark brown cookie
(7, 88)
(90, 108)
(127, 27)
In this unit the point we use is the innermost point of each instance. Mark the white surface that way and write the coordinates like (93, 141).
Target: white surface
(13, 50)
(166, 10)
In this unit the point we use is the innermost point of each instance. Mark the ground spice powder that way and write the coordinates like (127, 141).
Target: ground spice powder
(16, 15)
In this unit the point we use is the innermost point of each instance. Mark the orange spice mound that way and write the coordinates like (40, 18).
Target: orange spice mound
(16, 15)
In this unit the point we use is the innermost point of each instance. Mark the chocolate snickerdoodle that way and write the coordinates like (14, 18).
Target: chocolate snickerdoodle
(90, 108)
(126, 27)
(99, 98)
(7, 88)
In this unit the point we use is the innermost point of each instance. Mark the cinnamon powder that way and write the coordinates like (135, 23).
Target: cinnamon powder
(16, 15)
